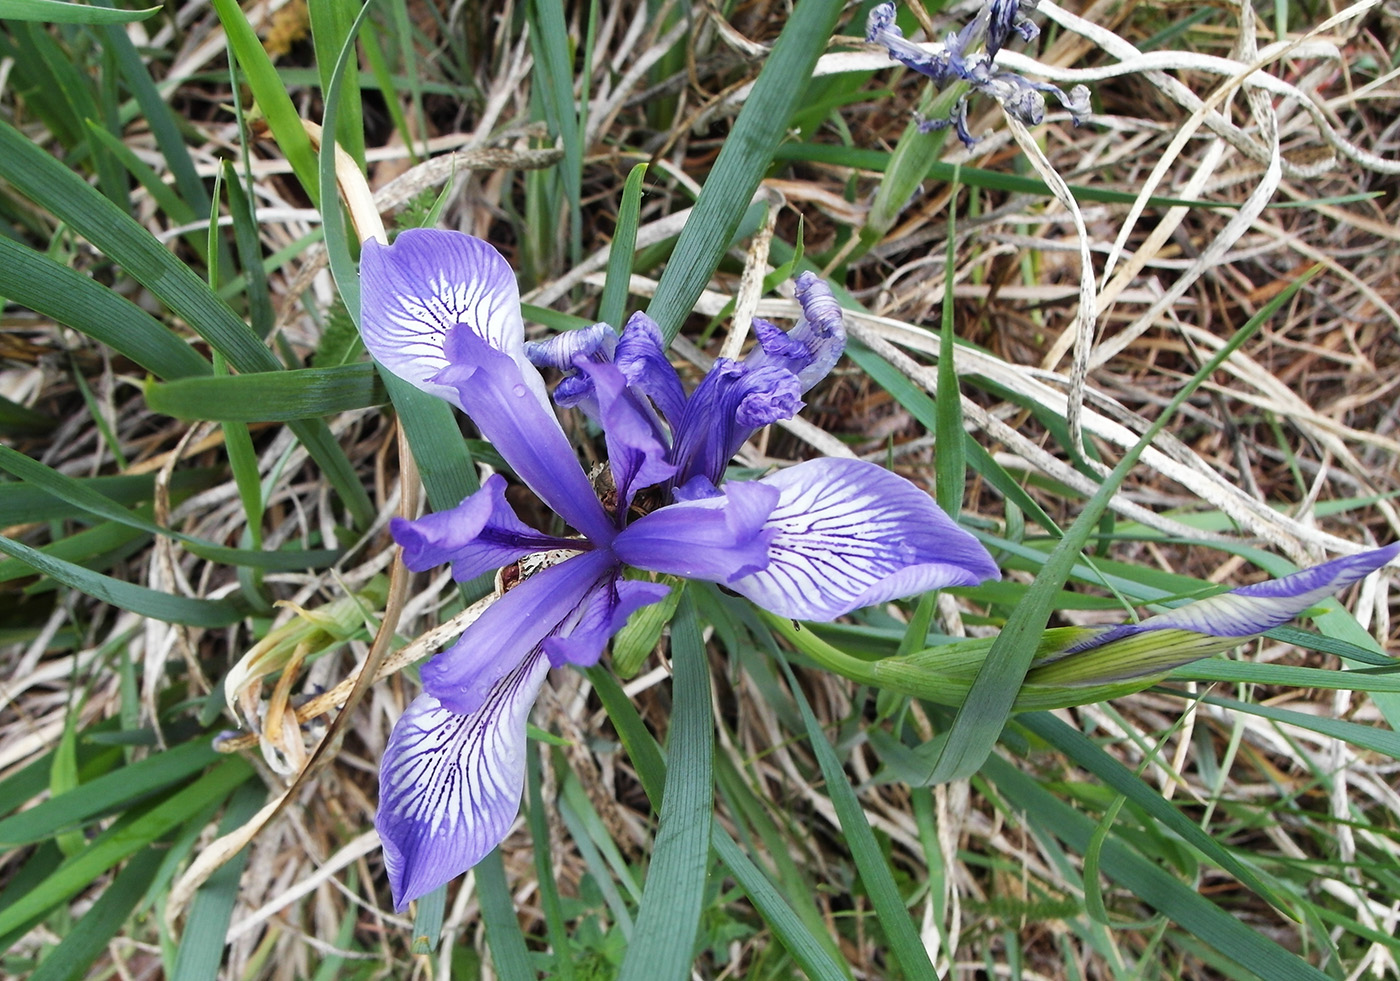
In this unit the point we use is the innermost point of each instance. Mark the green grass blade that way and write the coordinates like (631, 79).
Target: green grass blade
(48, 183)
(981, 717)
(786, 925)
(556, 927)
(663, 945)
(245, 234)
(870, 861)
(211, 910)
(549, 41)
(76, 493)
(745, 157)
(1374, 738)
(34, 280)
(270, 93)
(612, 305)
(87, 940)
(636, 737)
(23, 503)
(125, 838)
(1151, 884)
(159, 117)
(950, 464)
(332, 30)
(20, 420)
(991, 180)
(106, 793)
(58, 12)
(1080, 749)
(298, 393)
(137, 599)
(1249, 673)
(509, 955)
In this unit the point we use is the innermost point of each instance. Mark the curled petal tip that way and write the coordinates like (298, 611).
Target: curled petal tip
(1251, 610)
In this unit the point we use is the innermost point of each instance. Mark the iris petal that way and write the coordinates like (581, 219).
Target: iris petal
(811, 349)
(636, 452)
(478, 535)
(492, 390)
(450, 784)
(847, 534)
(549, 603)
(721, 538)
(1252, 610)
(604, 614)
(429, 281)
(641, 357)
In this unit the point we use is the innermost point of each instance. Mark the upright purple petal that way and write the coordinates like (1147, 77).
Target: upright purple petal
(549, 603)
(848, 534)
(721, 538)
(641, 357)
(814, 345)
(491, 389)
(636, 451)
(604, 614)
(1251, 610)
(478, 535)
(429, 281)
(449, 784)
(731, 403)
(597, 343)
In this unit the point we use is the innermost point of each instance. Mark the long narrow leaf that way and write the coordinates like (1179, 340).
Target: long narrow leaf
(124, 839)
(673, 898)
(1151, 884)
(125, 595)
(301, 393)
(744, 158)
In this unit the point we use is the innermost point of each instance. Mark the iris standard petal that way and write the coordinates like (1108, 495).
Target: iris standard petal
(478, 535)
(449, 784)
(636, 452)
(491, 389)
(546, 604)
(848, 534)
(604, 614)
(731, 403)
(641, 357)
(721, 538)
(1252, 610)
(815, 343)
(596, 343)
(429, 281)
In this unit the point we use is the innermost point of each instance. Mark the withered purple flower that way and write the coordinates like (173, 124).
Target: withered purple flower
(970, 56)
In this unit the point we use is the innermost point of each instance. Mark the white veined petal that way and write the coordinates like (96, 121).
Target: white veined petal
(849, 534)
(450, 784)
(425, 284)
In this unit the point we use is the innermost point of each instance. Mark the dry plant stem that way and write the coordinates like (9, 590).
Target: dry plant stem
(365, 217)
(1131, 60)
(1086, 317)
(1214, 252)
(751, 282)
(420, 647)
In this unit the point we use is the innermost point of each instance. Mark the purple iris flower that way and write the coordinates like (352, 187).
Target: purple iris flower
(814, 541)
(970, 56)
(1251, 610)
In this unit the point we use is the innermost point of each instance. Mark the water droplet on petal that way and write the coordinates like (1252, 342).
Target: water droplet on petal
(519, 391)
